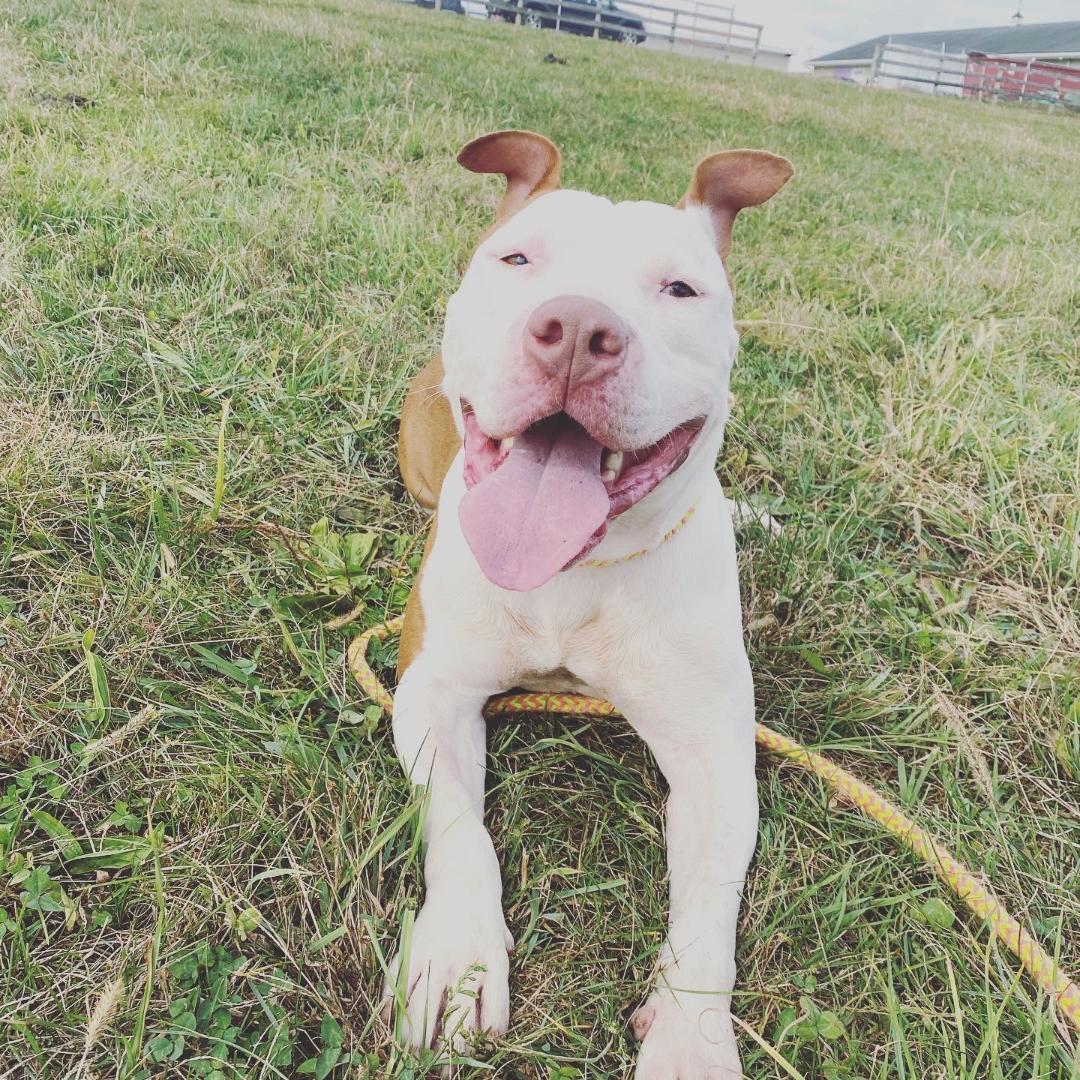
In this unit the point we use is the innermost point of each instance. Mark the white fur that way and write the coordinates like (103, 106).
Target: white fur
(620, 254)
(660, 636)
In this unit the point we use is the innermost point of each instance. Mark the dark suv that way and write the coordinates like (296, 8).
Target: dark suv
(455, 7)
(572, 17)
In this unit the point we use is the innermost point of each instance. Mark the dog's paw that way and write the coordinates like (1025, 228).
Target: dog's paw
(457, 985)
(686, 1037)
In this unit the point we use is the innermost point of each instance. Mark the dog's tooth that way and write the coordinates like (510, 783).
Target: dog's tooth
(612, 463)
(507, 444)
(608, 475)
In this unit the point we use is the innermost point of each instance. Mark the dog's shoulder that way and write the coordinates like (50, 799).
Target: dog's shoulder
(428, 440)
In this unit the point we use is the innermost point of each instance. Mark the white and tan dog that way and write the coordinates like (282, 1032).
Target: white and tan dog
(574, 419)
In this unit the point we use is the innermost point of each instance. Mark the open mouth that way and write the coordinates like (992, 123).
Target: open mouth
(541, 500)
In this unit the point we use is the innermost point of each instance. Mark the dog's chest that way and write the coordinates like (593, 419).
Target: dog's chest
(559, 680)
(550, 658)
(562, 644)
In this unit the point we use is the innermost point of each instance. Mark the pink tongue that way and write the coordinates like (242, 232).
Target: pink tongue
(539, 508)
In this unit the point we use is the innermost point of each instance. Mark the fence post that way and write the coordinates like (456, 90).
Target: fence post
(558, 15)
(674, 26)
(1024, 84)
(875, 64)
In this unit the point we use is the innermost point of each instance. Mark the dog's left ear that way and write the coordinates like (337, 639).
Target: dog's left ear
(730, 181)
(530, 163)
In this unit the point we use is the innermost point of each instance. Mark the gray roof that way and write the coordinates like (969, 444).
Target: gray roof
(1056, 38)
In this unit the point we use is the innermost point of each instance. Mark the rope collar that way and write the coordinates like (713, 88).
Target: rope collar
(599, 564)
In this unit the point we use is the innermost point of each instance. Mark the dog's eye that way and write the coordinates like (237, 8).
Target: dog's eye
(517, 259)
(679, 289)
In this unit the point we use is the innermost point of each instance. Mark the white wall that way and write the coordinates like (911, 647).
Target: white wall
(845, 72)
(764, 58)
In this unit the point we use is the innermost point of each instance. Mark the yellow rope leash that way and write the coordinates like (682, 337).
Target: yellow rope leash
(978, 897)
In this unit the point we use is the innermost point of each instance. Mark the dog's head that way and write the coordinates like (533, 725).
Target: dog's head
(588, 349)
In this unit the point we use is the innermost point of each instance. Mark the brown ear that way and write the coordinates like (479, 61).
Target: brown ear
(727, 182)
(530, 163)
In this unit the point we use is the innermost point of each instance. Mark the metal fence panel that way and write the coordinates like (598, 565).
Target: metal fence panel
(706, 26)
(926, 67)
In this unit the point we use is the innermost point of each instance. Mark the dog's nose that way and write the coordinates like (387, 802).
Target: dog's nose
(576, 339)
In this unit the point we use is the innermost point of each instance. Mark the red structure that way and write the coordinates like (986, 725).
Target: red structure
(1010, 79)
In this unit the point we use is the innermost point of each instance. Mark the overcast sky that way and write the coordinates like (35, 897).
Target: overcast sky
(810, 27)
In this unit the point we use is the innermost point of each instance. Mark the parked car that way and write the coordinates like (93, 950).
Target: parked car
(572, 17)
(455, 7)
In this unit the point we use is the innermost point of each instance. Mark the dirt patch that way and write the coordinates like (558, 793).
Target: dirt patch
(71, 101)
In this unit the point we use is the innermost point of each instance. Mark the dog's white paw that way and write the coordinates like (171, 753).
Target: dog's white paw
(458, 979)
(686, 1037)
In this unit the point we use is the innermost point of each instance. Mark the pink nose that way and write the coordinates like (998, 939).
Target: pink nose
(576, 340)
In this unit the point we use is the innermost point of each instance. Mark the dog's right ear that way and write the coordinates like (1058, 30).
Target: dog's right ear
(530, 163)
(730, 181)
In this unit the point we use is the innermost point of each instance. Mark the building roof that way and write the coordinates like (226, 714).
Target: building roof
(1034, 39)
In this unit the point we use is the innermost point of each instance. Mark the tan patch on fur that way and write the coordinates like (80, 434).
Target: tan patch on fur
(412, 631)
(428, 439)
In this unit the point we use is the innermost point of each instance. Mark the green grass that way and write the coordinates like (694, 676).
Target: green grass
(214, 283)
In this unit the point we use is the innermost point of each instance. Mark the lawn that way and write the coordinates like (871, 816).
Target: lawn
(216, 275)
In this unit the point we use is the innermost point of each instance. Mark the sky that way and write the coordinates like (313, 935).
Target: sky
(808, 28)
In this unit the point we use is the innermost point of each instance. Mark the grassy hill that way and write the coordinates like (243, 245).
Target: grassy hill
(215, 279)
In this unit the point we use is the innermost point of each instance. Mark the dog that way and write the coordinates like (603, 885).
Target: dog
(566, 440)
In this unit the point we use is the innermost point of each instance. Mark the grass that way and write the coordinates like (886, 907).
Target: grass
(214, 283)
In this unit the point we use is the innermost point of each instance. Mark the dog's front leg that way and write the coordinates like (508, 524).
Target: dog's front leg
(701, 732)
(457, 979)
